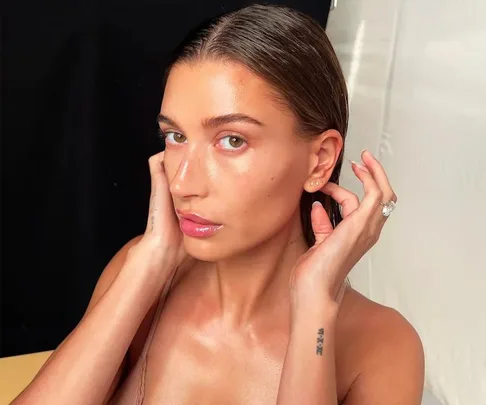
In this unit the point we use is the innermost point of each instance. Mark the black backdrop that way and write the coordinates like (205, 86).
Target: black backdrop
(80, 89)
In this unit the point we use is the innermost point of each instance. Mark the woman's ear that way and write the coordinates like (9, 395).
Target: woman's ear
(325, 151)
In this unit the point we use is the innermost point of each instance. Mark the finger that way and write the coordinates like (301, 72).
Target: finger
(373, 194)
(379, 174)
(156, 166)
(345, 198)
(158, 192)
(321, 224)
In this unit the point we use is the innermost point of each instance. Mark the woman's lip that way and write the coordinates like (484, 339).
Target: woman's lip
(196, 218)
(197, 230)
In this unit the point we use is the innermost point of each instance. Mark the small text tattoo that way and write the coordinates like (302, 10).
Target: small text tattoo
(152, 210)
(320, 341)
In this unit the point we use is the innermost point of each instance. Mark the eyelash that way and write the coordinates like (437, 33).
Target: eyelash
(163, 136)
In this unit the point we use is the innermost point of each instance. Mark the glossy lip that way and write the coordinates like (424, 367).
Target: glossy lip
(195, 218)
(195, 226)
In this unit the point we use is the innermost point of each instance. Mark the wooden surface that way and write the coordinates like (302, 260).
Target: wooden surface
(17, 372)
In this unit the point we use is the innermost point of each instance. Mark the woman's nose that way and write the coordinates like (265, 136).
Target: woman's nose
(189, 179)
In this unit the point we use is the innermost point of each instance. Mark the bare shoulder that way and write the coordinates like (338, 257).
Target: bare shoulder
(381, 352)
(367, 318)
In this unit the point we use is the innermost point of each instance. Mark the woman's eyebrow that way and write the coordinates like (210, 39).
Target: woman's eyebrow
(214, 122)
(162, 119)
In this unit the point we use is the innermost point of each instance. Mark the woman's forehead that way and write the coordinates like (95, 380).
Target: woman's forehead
(213, 88)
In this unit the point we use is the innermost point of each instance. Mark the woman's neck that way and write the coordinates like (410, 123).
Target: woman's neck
(253, 285)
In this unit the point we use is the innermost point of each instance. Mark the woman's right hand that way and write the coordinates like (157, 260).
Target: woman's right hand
(161, 247)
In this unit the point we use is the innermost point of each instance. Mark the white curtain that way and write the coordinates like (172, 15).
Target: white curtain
(416, 72)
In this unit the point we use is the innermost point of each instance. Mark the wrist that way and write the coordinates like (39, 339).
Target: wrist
(318, 312)
(149, 276)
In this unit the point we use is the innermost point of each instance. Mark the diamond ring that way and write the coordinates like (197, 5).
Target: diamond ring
(387, 208)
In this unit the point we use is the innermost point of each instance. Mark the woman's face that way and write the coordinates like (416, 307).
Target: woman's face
(232, 157)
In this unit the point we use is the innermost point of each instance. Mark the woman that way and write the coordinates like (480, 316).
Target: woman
(245, 244)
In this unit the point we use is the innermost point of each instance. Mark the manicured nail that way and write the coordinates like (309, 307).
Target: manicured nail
(366, 150)
(316, 203)
(359, 166)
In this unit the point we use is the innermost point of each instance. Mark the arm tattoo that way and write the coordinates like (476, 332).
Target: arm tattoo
(152, 211)
(320, 341)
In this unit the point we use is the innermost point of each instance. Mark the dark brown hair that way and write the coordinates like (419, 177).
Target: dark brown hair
(291, 52)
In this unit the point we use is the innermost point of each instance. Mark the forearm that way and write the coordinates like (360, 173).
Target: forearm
(84, 366)
(308, 375)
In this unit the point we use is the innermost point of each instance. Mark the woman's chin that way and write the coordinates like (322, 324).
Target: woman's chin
(205, 249)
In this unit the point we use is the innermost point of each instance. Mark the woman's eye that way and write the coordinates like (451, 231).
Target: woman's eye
(232, 142)
(174, 137)
(229, 142)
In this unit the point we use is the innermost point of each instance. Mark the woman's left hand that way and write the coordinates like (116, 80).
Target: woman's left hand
(319, 274)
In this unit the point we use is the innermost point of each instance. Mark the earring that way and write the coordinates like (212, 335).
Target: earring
(316, 183)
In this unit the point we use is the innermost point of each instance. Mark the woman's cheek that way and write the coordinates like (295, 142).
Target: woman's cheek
(169, 166)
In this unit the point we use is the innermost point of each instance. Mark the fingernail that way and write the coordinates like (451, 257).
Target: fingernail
(316, 203)
(366, 150)
(359, 166)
